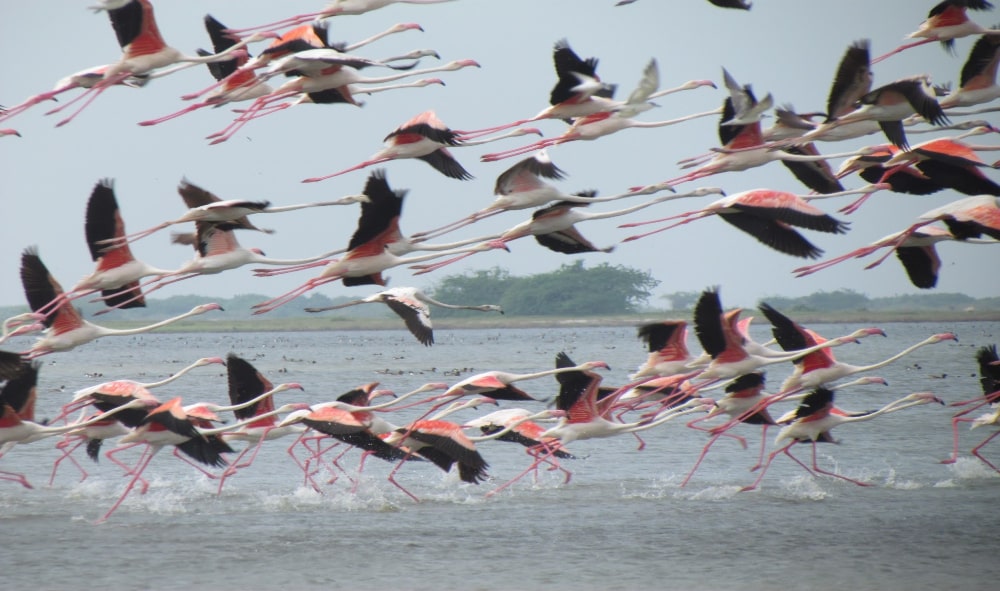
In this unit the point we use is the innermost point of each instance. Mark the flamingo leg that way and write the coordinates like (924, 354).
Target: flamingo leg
(954, 438)
(392, 478)
(68, 446)
(290, 269)
(94, 92)
(903, 48)
(138, 470)
(975, 451)
(541, 452)
(364, 164)
(767, 464)
(281, 300)
(15, 477)
(834, 474)
(177, 453)
(540, 144)
(763, 447)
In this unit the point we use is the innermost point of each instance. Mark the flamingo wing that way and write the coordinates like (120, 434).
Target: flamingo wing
(415, 314)
(817, 175)
(443, 162)
(708, 323)
(20, 391)
(852, 81)
(989, 372)
(245, 383)
(921, 263)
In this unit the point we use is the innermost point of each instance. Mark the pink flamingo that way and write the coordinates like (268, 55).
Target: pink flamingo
(945, 22)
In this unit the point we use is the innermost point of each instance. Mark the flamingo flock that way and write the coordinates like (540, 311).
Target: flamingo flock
(261, 70)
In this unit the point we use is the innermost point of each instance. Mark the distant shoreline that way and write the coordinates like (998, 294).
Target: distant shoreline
(327, 323)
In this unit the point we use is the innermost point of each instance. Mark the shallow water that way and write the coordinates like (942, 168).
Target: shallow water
(622, 522)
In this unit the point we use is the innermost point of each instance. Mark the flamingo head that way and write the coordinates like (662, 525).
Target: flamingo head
(944, 336)
(868, 332)
(690, 84)
(209, 361)
(924, 398)
(433, 386)
(595, 364)
(206, 308)
(288, 386)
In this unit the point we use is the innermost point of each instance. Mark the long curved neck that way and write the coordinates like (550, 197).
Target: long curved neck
(889, 360)
(262, 260)
(675, 121)
(888, 408)
(251, 402)
(628, 210)
(243, 423)
(177, 375)
(149, 327)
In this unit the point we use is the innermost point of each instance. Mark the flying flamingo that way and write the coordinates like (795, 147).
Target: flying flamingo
(427, 138)
(14, 430)
(554, 226)
(767, 215)
(527, 433)
(819, 367)
(743, 145)
(143, 49)
(313, 35)
(217, 250)
(889, 105)
(521, 186)
(951, 163)
(168, 424)
(413, 306)
(19, 325)
(917, 254)
(720, 337)
(336, 72)
(596, 125)
(66, 329)
(816, 416)
(445, 444)
(668, 352)
(978, 81)
(118, 272)
(989, 380)
(236, 83)
(966, 219)
(946, 22)
(94, 435)
(334, 8)
(499, 384)
(205, 206)
(367, 254)
(85, 78)
(586, 418)
(579, 92)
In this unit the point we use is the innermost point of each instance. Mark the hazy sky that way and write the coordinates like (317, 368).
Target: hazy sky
(790, 48)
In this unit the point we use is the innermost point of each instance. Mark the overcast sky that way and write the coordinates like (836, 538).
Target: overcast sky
(789, 48)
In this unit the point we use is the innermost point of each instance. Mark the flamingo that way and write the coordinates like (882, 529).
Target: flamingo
(313, 35)
(236, 83)
(719, 335)
(889, 105)
(413, 306)
(521, 186)
(945, 22)
(66, 329)
(767, 215)
(205, 206)
(445, 444)
(554, 226)
(19, 325)
(334, 8)
(602, 123)
(427, 138)
(966, 219)
(743, 144)
(143, 49)
(917, 253)
(668, 352)
(951, 163)
(978, 80)
(527, 433)
(368, 253)
(94, 435)
(579, 92)
(118, 272)
(86, 78)
(168, 424)
(499, 384)
(816, 416)
(586, 418)
(334, 80)
(989, 380)
(15, 430)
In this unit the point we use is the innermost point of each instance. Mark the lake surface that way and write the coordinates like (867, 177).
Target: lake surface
(622, 522)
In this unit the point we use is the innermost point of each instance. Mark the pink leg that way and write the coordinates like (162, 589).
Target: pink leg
(139, 468)
(177, 453)
(15, 477)
(290, 269)
(954, 438)
(364, 164)
(541, 452)
(67, 452)
(975, 451)
(763, 447)
(767, 465)
(230, 470)
(95, 92)
(281, 300)
(392, 478)
(835, 475)
(903, 48)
